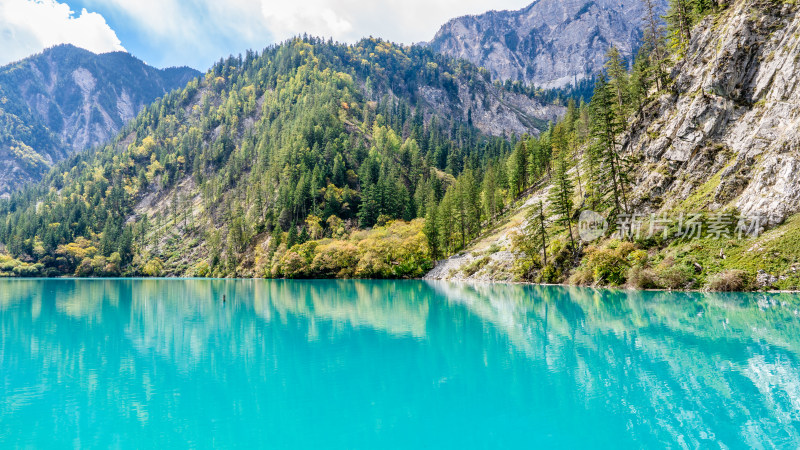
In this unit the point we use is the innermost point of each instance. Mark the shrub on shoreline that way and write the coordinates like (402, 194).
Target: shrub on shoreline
(730, 281)
(397, 250)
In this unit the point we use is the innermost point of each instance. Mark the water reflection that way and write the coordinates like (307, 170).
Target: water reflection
(685, 368)
(364, 364)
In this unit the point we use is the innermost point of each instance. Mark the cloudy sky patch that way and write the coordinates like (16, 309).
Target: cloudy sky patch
(198, 32)
(28, 27)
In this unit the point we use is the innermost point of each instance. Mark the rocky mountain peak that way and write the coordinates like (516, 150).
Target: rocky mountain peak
(550, 43)
(67, 99)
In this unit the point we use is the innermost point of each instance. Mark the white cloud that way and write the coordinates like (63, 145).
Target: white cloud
(30, 26)
(405, 21)
(315, 17)
(199, 32)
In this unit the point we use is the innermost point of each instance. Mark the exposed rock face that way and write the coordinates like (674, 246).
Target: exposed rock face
(66, 100)
(492, 258)
(493, 111)
(733, 125)
(765, 280)
(551, 43)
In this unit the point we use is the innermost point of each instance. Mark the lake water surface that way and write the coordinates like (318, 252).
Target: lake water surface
(371, 364)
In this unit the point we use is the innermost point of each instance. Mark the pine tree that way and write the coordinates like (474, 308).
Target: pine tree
(108, 243)
(338, 171)
(536, 230)
(370, 207)
(445, 223)
(304, 237)
(489, 191)
(518, 167)
(654, 42)
(291, 239)
(639, 85)
(141, 231)
(595, 189)
(431, 230)
(606, 127)
(618, 80)
(679, 23)
(470, 204)
(125, 248)
(561, 195)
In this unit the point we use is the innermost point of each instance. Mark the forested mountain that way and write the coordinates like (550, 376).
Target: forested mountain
(68, 99)
(272, 163)
(691, 158)
(316, 159)
(551, 43)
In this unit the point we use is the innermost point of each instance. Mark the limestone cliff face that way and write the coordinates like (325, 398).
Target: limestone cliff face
(67, 99)
(551, 43)
(493, 110)
(732, 127)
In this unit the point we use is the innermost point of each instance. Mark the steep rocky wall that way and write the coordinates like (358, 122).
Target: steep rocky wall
(495, 111)
(67, 99)
(732, 127)
(551, 43)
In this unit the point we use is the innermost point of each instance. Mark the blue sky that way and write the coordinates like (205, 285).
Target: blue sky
(198, 32)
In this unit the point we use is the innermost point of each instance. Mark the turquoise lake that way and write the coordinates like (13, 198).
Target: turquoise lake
(413, 364)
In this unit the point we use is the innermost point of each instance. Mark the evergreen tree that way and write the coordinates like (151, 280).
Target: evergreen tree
(303, 238)
(536, 231)
(108, 242)
(490, 197)
(370, 207)
(339, 171)
(640, 83)
(561, 195)
(446, 222)
(595, 187)
(606, 127)
(291, 239)
(518, 167)
(125, 248)
(431, 228)
(618, 80)
(679, 23)
(654, 43)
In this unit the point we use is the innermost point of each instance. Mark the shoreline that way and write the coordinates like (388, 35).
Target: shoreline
(608, 288)
(469, 282)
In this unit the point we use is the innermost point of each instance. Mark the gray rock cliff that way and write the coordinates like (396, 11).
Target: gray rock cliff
(67, 99)
(551, 43)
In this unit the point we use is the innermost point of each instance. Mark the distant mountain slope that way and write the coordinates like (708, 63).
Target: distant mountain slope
(551, 43)
(67, 99)
(308, 139)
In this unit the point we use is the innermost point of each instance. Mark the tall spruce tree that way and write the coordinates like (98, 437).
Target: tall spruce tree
(640, 83)
(431, 228)
(679, 25)
(606, 127)
(654, 43)
(617, 71)
(561, 194)
(536, 231)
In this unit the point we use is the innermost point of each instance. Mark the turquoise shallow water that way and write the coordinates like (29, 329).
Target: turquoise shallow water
(357, 364)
